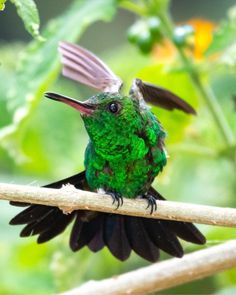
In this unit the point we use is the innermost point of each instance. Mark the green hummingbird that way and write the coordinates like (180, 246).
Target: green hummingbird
(125, 153)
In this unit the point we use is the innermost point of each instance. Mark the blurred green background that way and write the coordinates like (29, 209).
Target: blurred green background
(41, 141)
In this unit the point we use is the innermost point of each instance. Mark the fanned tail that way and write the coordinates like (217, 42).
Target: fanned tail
(121, 234)
(45, 221)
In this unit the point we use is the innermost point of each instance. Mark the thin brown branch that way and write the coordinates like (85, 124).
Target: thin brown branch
(68, 199)
(166, 274)
(157, 276)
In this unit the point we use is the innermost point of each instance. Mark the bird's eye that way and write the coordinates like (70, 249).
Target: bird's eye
(113, 107)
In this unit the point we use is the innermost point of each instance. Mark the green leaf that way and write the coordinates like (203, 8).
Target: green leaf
(2, 4)
(28, 12)
(39, 66)
(224, 36)
(228, 58)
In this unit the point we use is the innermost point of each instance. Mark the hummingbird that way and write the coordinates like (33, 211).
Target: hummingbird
(125, 153)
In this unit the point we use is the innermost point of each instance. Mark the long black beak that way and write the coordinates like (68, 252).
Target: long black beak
(83, 107)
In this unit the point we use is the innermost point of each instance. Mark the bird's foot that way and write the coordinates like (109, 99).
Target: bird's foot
(116, 197)
(151, 202)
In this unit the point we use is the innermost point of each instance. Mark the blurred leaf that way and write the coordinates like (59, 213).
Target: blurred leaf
(28, 12)
(226, 291)
(202, 286)
(217, 235)
(224, 36)
(39, 66)
(198, 179)
(23, 275)
(2, 4)
(229, 56)
(224, 86)
(147, 8)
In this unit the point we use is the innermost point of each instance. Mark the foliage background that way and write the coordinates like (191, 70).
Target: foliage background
(41, 141)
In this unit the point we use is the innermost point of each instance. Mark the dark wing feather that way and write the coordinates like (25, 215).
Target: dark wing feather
(162, 97)
(77, 180)
(83, 66)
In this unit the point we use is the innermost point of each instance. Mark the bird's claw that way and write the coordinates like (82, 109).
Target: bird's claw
(151, 202)
(116, 197)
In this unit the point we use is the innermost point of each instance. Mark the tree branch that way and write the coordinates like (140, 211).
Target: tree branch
(158, 276)
(69, 199)
(166, 274)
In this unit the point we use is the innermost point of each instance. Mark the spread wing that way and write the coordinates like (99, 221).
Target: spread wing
(161, 97)
(83, 66)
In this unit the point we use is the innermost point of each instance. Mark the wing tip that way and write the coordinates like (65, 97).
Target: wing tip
(162, 97)
(190, 110)
(13, 221)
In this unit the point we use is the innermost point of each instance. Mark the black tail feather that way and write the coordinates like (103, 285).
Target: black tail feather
(116, 238)
(58, 226)
(162, 237)
(44, 223)
(139, 239)
(75, 233)
(97, 242)
(47, 221)
(28, 230)
(120, 234)
(31, 214)
(18, 204)
(84, 231)
(186, 231)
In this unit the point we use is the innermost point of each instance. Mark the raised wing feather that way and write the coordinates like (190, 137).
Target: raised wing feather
(161, 97)
(83, 66)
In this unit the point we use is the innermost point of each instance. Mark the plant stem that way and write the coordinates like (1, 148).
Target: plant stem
(133, 7)
(205, 91)
(211, 100)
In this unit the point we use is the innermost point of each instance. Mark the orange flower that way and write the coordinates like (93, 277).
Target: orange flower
(164, 51)
(199, 42)
(202, 36)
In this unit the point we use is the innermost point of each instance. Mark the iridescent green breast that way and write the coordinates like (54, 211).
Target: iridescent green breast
(125, 152)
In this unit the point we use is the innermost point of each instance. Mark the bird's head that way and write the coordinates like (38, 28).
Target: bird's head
(110, 119)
